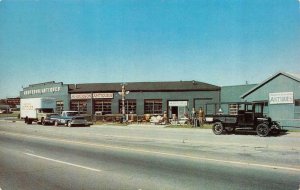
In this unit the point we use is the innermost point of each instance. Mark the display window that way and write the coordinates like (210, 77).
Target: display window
(130, 106)
(79, 105)
(102, 106)
(153, 106)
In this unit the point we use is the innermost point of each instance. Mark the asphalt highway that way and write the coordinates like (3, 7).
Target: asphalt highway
(109, 157)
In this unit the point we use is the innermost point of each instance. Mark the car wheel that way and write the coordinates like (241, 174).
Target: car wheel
(69, 124)
(43, 122)
(218, 128)
(262, 130)
(56, 123)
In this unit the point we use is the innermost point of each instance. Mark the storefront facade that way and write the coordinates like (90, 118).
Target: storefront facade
(173, 98)
(58, 91)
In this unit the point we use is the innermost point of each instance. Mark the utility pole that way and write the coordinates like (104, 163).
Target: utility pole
(123, 94)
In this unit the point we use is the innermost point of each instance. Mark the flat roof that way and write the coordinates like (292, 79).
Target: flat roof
(144, 86)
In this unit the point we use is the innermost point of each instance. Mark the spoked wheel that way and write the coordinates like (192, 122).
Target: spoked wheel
(218, 128)
(262, 130)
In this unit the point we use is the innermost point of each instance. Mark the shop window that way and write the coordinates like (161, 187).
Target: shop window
(103, 106)
(130, 106)
(153, 106)
(59, 106)
(79, 105)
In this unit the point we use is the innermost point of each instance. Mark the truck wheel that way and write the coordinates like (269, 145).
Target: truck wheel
(29, 121)
(218, 128)
(69, 124)
(42, 121)
(262, 130)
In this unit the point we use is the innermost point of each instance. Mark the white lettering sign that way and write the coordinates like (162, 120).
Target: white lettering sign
(281, 98)
(81, 96)
(89, 96)
(42, 90)
(178, 103)
(103, 95)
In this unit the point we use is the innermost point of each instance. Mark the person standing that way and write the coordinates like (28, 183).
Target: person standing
(201, 116)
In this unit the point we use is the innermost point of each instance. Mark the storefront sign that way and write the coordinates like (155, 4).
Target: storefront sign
(81, 96)
(89, 96)
(42, 90)
(103, 95)
(178, 103)
(281, 98)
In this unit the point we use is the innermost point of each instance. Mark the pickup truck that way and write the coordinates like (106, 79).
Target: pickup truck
(70, 118)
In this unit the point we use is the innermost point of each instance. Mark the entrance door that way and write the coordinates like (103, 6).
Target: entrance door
(174, 111)
(178, 108)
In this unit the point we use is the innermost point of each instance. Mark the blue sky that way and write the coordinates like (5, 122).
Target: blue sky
(222, 42)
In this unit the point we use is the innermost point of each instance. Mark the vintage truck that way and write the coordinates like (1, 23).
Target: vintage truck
(241, 115)
(70, 118)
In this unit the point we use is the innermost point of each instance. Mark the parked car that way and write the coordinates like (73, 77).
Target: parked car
(246, 116)
(50, 119)
(70, 118)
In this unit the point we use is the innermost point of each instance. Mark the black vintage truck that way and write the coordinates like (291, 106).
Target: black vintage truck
(227, 117)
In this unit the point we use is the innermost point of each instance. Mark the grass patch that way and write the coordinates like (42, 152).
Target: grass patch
(9, 115)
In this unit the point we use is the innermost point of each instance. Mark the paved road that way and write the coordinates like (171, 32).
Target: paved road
(108, 157)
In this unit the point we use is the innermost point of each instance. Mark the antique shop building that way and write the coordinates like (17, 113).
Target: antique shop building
(177, 98)
(281, 95)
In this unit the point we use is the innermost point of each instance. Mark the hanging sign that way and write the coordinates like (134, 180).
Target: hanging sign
(281, 98)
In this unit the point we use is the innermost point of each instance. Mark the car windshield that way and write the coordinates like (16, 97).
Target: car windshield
(72, 113)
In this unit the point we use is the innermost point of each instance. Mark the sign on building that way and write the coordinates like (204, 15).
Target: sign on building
(178, 103)
(281, 98)
(89, 96)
